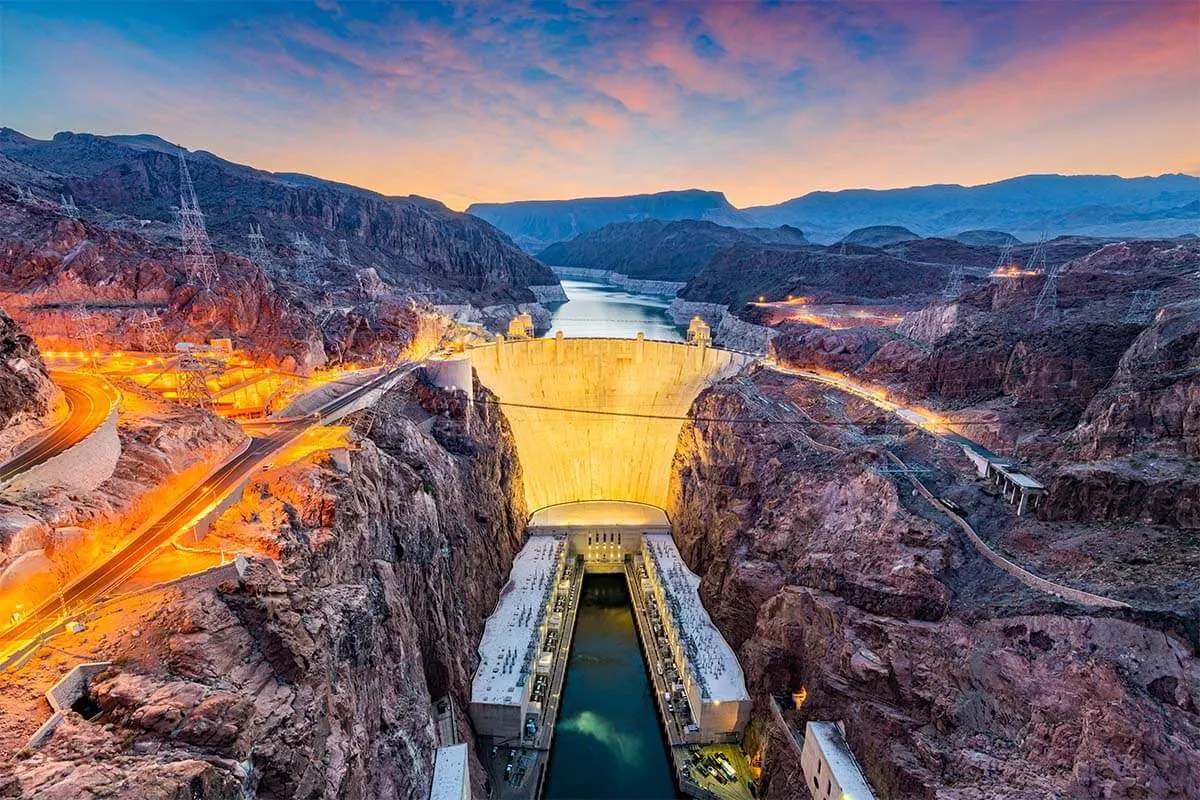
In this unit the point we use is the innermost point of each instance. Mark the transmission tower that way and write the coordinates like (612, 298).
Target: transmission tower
(198, 260)
(1047, 299)
(25, 196)
(343, 253)
(151, 335)
(1141, 306)
(67, 206)
(304, 267)
(1006, 260)
(191, 381)
(954, 284)
(83, 330)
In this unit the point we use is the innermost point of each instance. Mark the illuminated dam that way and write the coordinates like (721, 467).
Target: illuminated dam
(650, 685)
(598, 419)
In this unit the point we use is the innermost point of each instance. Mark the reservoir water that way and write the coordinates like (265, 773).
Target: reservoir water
(601, 310)
(608, 744)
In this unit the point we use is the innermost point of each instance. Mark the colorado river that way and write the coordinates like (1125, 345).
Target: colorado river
(608, 745)
(600, 310)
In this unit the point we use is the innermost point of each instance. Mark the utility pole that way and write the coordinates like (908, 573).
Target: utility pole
(191, 381)
(198, 260)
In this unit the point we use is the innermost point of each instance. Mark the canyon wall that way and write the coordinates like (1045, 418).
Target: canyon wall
(313, 674)
(846, 597)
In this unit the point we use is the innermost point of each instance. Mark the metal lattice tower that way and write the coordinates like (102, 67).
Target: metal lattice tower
(304, 265)
(364, 421)
(1047, 299)
(191, 381)
(67, 206)
(1006, 257)
(343, 253)
(25, 196)
(83, 330)
(954, 284)
(151, 335)
(198, 260)
(258, 245)
(1141, 306)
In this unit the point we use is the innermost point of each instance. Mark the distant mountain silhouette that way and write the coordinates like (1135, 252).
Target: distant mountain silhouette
(534, 224)
(1026, 207)
(657, 250)
(981, 237)
(879, 235)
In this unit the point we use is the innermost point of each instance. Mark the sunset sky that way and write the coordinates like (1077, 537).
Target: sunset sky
(508, 101)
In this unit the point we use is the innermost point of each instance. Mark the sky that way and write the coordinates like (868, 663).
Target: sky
(538, 100)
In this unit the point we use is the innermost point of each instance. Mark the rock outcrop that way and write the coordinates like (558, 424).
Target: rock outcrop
(312, 674)
(415, 244)
(26, 393)
(847, 598)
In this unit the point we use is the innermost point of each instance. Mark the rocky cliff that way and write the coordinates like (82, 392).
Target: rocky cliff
(312, 674)
(413, 243)
(847, 598)
(26, 393)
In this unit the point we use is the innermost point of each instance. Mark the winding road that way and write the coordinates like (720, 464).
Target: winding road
(46, 618)
(90, 399)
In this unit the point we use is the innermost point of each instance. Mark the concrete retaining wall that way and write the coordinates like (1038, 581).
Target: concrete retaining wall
(63, 695)
(82, 467)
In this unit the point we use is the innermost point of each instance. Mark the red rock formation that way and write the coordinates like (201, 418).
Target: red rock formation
(953, 679)
(313, 675)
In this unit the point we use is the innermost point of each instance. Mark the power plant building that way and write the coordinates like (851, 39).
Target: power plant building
(510, 651)
(711, 675)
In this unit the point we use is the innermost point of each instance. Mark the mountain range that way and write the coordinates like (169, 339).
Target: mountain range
(1026, 207)
(413, 243)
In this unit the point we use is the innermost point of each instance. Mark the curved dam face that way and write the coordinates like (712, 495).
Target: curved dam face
(578, 444)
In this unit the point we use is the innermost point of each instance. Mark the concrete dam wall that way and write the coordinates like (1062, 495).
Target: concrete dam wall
(578, 445)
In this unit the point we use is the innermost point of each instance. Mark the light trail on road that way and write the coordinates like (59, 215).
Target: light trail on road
(90, 399)
(47, 617)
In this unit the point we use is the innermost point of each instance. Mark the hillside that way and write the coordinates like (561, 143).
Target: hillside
(657, 250)
(535, 224)
(412, 242)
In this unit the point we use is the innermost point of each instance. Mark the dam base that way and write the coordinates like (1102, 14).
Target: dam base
(518, 693)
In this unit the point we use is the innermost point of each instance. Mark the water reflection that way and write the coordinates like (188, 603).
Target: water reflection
(597, 309)
(608, 743)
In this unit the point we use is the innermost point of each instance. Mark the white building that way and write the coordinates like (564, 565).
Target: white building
(830, 771)
(510, 650)
(451, 776)
(708, 668)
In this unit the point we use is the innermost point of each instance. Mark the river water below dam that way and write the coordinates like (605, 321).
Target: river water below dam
(601, 310)
(608, 744)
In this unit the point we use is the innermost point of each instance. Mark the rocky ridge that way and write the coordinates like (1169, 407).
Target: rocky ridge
(847, 598)
(312, 674)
